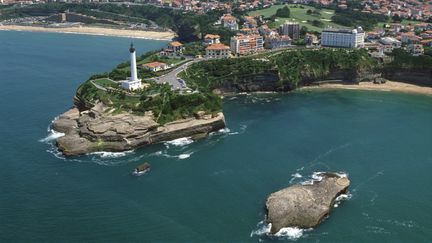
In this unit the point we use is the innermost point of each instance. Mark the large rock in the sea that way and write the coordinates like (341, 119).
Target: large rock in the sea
(305, 206)
(98, 130)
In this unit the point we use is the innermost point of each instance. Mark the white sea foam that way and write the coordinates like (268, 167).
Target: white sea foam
(179, 142)
(340, 198)
(262, 229)
(319, 176)
(292, 233)
(184, 156)
(224, 130)
(106, 155)
(295, 176)
(156, 153)
(53, 135)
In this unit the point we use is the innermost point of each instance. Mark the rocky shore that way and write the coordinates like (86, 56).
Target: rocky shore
(99, 130)
(305, 205)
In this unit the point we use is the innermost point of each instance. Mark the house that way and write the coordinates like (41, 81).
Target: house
(277, 41)
(156, 66)
(410, 38)
(427, 42)
(175, 48)
(415, 49)
(249, 22)
(311, 40)
(218, 50)
(390, 41)
(210, 39)
(229, 21)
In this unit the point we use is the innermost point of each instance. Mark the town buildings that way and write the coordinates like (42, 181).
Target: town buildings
(229, 21)
(246, 44)
(174, 48)
(210, 39)
(343, 38)
(290, 29)
(218, 50)
(156, 66)
(277, 41)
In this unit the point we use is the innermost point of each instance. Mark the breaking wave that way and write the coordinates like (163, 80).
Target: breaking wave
(52, 135)
(318, 176)
(291, 233)
(184, 156)
(179, 142)
(106, 155)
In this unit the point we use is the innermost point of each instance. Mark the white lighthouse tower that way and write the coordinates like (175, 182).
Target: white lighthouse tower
(133, 83)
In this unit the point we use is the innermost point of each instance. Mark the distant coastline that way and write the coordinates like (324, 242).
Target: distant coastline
(85, 30)
(387, 86)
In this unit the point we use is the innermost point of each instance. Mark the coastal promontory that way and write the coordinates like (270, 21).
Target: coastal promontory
(99, 130)
(305, 205)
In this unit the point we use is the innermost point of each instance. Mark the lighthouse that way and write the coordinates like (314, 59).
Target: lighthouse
(133, 82)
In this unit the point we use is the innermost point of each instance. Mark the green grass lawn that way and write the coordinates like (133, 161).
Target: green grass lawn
(299, 15)
(106, 83)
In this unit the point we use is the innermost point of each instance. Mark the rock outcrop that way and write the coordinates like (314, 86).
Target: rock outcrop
(305, 206)
(98, 130)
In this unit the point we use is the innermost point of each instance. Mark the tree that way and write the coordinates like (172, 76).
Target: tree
(396, 18)
(309, 12)
(283, 12)
(303, 30)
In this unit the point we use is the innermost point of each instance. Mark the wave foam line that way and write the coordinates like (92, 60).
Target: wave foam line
(179, 142)
(53, 135)
(291, 233)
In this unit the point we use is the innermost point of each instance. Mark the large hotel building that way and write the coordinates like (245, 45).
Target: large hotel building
(343, 38)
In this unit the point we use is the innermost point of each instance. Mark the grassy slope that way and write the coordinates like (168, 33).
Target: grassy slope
(299, 15)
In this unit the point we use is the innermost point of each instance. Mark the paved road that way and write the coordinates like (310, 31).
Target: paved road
(171, 77)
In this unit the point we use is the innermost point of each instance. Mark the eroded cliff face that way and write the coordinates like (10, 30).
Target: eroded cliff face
(253, 83)
(96, 130)
(418, 77)
(271, 81)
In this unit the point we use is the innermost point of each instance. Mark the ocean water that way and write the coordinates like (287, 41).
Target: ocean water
(212, 190)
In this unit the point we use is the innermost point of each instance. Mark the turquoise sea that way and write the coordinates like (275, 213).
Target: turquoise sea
(213, 190)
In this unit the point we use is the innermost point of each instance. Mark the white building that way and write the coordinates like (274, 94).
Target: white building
(218, 50)
(343, 38)
(156, 66)
(133, 82)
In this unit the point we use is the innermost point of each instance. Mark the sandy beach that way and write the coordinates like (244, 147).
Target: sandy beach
(139, 34)
(388, 86)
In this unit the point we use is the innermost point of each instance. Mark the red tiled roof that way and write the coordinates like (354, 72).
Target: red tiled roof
(154, 64)
(218, 46)
(175, 43)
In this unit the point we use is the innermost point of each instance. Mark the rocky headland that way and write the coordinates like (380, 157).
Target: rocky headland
(98, 129)
(305, 205)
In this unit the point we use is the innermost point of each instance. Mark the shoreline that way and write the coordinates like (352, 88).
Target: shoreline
(389, 86)
(96, 31)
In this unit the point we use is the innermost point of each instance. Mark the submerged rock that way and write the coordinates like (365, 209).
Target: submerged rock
(305, 206)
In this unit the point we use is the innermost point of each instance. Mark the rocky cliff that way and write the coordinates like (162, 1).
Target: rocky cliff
(418, 77)
(271, 81)
(98, 130)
